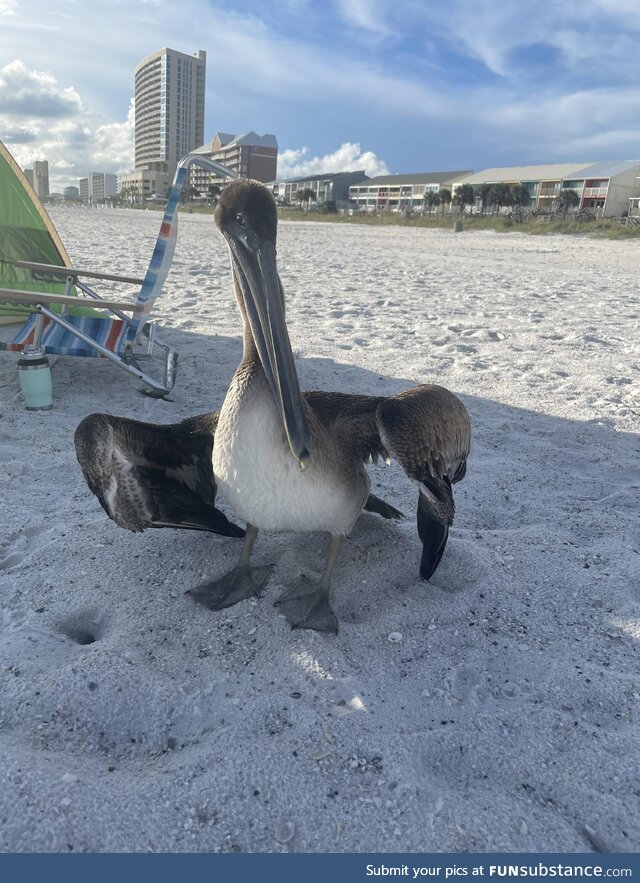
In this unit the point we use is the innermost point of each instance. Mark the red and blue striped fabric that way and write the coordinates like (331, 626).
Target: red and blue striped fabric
(59, 341)
(162, 256)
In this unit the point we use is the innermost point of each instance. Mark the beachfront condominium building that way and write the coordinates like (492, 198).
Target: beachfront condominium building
(603, 189)
(330, 187)
(169, 109)
(143, 184)
(397, 193)
(249, 156)
(97, 186)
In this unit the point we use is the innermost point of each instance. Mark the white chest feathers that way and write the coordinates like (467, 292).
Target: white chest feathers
(257, 474)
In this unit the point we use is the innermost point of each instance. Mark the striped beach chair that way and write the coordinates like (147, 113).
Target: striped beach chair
(122, 331)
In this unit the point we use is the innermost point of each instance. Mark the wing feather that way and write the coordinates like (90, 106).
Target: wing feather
(152, 475)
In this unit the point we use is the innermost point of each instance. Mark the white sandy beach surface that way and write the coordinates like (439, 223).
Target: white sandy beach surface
(505, 717)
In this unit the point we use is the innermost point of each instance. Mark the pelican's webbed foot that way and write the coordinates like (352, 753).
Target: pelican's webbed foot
(240, 583)
(307, 606)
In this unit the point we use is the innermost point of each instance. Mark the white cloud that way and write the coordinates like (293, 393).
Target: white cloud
(599, 33)
(365, 14)
(35, 94)
(40, 119)
(347, 158)
(114, 143)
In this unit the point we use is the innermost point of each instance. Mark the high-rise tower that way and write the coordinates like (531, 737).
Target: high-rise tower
(41, 178)
(169, 108)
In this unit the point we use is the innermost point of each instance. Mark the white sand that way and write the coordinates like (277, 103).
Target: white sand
(505, 718)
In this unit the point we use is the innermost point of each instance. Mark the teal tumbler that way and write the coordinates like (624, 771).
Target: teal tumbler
(35, 380)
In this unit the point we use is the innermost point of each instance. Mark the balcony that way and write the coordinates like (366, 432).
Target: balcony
(595, 192)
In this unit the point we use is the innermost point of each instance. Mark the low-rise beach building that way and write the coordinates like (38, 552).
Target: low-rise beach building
(143, 184)
(603, 188)
(328, 187)
(401, 192)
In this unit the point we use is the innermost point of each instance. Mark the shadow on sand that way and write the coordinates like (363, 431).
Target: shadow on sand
(509, 694)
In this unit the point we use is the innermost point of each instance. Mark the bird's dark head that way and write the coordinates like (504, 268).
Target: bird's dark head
(247, 212)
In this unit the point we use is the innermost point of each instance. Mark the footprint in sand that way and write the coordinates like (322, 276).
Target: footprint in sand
(12, 552)
(19, 545)
(464, 683)
(591, 338)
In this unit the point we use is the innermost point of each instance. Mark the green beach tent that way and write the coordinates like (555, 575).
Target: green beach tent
(26, 234)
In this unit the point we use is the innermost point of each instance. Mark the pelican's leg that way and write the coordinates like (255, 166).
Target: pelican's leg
(240, 583)
(306, 605)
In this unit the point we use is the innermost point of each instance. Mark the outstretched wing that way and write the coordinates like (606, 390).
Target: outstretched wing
(426, 429)
(149, 475)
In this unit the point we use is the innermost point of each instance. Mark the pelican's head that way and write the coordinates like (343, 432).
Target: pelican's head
(246, 216)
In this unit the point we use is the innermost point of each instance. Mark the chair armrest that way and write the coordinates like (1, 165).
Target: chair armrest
(11, 296)
(72, 271)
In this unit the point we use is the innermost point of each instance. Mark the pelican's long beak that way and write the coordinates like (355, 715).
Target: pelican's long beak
(254, 266)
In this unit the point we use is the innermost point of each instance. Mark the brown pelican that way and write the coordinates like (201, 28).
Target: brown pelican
(284, 460)
(290, 462)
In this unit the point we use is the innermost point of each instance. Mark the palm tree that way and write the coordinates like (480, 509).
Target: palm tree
(128, 194)
(305, 195)
(214, 193)
(567, 199)
(464, 195)
(444, 195)
(431, 199)
(521, 196)
(500, 195)
(483, 194)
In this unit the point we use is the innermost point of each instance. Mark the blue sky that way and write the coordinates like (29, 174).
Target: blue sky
(402, 86)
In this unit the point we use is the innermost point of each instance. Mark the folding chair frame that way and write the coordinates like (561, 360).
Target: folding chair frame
(137, 325)
(128, 361)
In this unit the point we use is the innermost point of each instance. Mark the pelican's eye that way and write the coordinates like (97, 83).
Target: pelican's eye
(240, 219)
